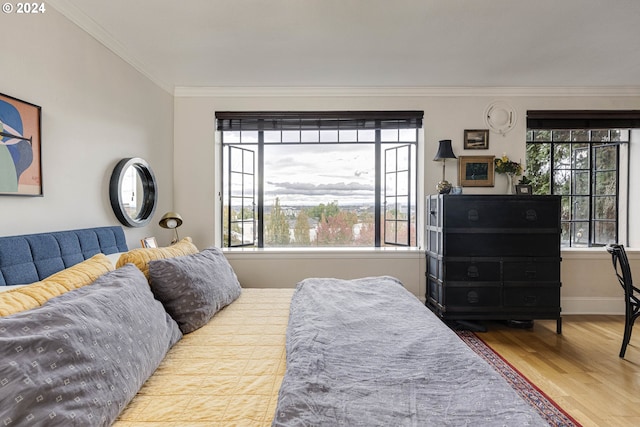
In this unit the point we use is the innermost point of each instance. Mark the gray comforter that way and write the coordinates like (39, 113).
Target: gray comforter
(366, 352)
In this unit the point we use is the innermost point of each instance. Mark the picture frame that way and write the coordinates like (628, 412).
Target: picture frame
(149, 242)
(524, 189)
(20, 148)
(476, 171)
(476, 139)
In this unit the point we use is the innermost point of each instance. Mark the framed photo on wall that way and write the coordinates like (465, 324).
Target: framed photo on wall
(476, 171)
(476, 139)
(20, 154)
(149, 242)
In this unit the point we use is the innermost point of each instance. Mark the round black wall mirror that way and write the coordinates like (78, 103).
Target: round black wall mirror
(132, 190)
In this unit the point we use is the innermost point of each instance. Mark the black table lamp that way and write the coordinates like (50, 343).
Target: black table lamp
(444, 152)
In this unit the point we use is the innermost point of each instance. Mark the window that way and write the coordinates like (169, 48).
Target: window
(319, 178)
(581, 156)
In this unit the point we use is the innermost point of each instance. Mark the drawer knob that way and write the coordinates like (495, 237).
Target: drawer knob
(473, 297)
(472, 215)
(472, 271)
(531, 215)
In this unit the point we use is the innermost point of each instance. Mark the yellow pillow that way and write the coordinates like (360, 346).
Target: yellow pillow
(141, 256)
(36, 294)
(82, 273)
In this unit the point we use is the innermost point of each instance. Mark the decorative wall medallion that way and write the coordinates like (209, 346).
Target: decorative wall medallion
(500, 117)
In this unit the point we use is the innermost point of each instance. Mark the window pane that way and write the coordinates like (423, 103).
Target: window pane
(565, 235)
(565, 210)
(247, 233)
(538, 167)
(605, 183)
(272, 136)
(580, 135)
(542, 135)
(290, 136)
(349, 135)
(605, 232)
(606, 157)
(562, 182)
(328, 136)
(367, 135)
(247, 165)
(236, 184)
(561, 135)
(248, 185)
(605, 208)
(391, 183)
(403, 183)
(408, 135)
(561, 154)
(249, 136)
(580, 232)
(231, 136)
(310, 136)
(333, 186)
(389, 135)
(581, 182)
(391, 161)
(600, 135)
(580, 156)
(580, 208)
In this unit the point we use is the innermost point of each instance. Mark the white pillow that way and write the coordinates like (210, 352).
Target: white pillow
(114, 258)
(11, 287)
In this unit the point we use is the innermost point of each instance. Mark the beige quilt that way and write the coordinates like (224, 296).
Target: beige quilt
(227, 373)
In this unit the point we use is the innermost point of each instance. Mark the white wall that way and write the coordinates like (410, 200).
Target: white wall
(588, 281)
(96, 110)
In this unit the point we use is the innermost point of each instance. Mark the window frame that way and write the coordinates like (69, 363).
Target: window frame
(592, 170)
(261, 122)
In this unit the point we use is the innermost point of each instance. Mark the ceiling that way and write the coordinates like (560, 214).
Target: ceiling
(370, 43)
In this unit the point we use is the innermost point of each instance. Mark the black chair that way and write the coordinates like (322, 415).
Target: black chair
(631, 293)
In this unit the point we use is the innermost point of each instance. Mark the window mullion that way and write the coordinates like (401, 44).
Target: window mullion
(377, 217)
(260, 167)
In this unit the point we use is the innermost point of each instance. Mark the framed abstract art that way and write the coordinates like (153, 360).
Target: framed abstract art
(20, 152)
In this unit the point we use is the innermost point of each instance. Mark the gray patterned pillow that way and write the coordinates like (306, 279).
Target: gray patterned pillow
(193, 288)
(81, 357)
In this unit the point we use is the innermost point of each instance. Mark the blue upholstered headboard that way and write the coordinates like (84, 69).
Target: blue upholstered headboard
(32, 257)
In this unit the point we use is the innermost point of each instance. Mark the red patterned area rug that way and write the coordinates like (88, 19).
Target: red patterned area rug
(546, 407)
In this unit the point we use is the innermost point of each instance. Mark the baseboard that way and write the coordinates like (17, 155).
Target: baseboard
(593, 305)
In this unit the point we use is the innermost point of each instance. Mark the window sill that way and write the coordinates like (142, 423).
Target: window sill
(595, 253)
(325, 253)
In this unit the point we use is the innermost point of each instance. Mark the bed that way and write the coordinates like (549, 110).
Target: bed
(194, 349)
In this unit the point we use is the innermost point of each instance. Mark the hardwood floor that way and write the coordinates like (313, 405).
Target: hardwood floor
(580, 369)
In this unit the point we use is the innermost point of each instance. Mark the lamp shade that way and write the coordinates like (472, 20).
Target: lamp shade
(170, 220)
(445, 151)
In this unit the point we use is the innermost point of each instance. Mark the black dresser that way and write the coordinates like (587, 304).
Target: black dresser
(494, 257)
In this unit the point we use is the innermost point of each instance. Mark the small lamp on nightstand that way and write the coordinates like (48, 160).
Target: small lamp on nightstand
(171, 220)
(444, 152)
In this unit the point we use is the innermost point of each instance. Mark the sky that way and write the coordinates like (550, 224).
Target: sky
(310, 175)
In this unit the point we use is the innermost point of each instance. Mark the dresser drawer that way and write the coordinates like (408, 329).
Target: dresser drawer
(501, 244)
(532, 271)
(538, 297)
(472, 296)
(502, 212)
(472, 271)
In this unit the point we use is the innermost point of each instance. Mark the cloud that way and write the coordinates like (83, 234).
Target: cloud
(309, 189)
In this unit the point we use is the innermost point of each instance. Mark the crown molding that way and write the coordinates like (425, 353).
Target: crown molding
(82, 20)
(405, 91)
